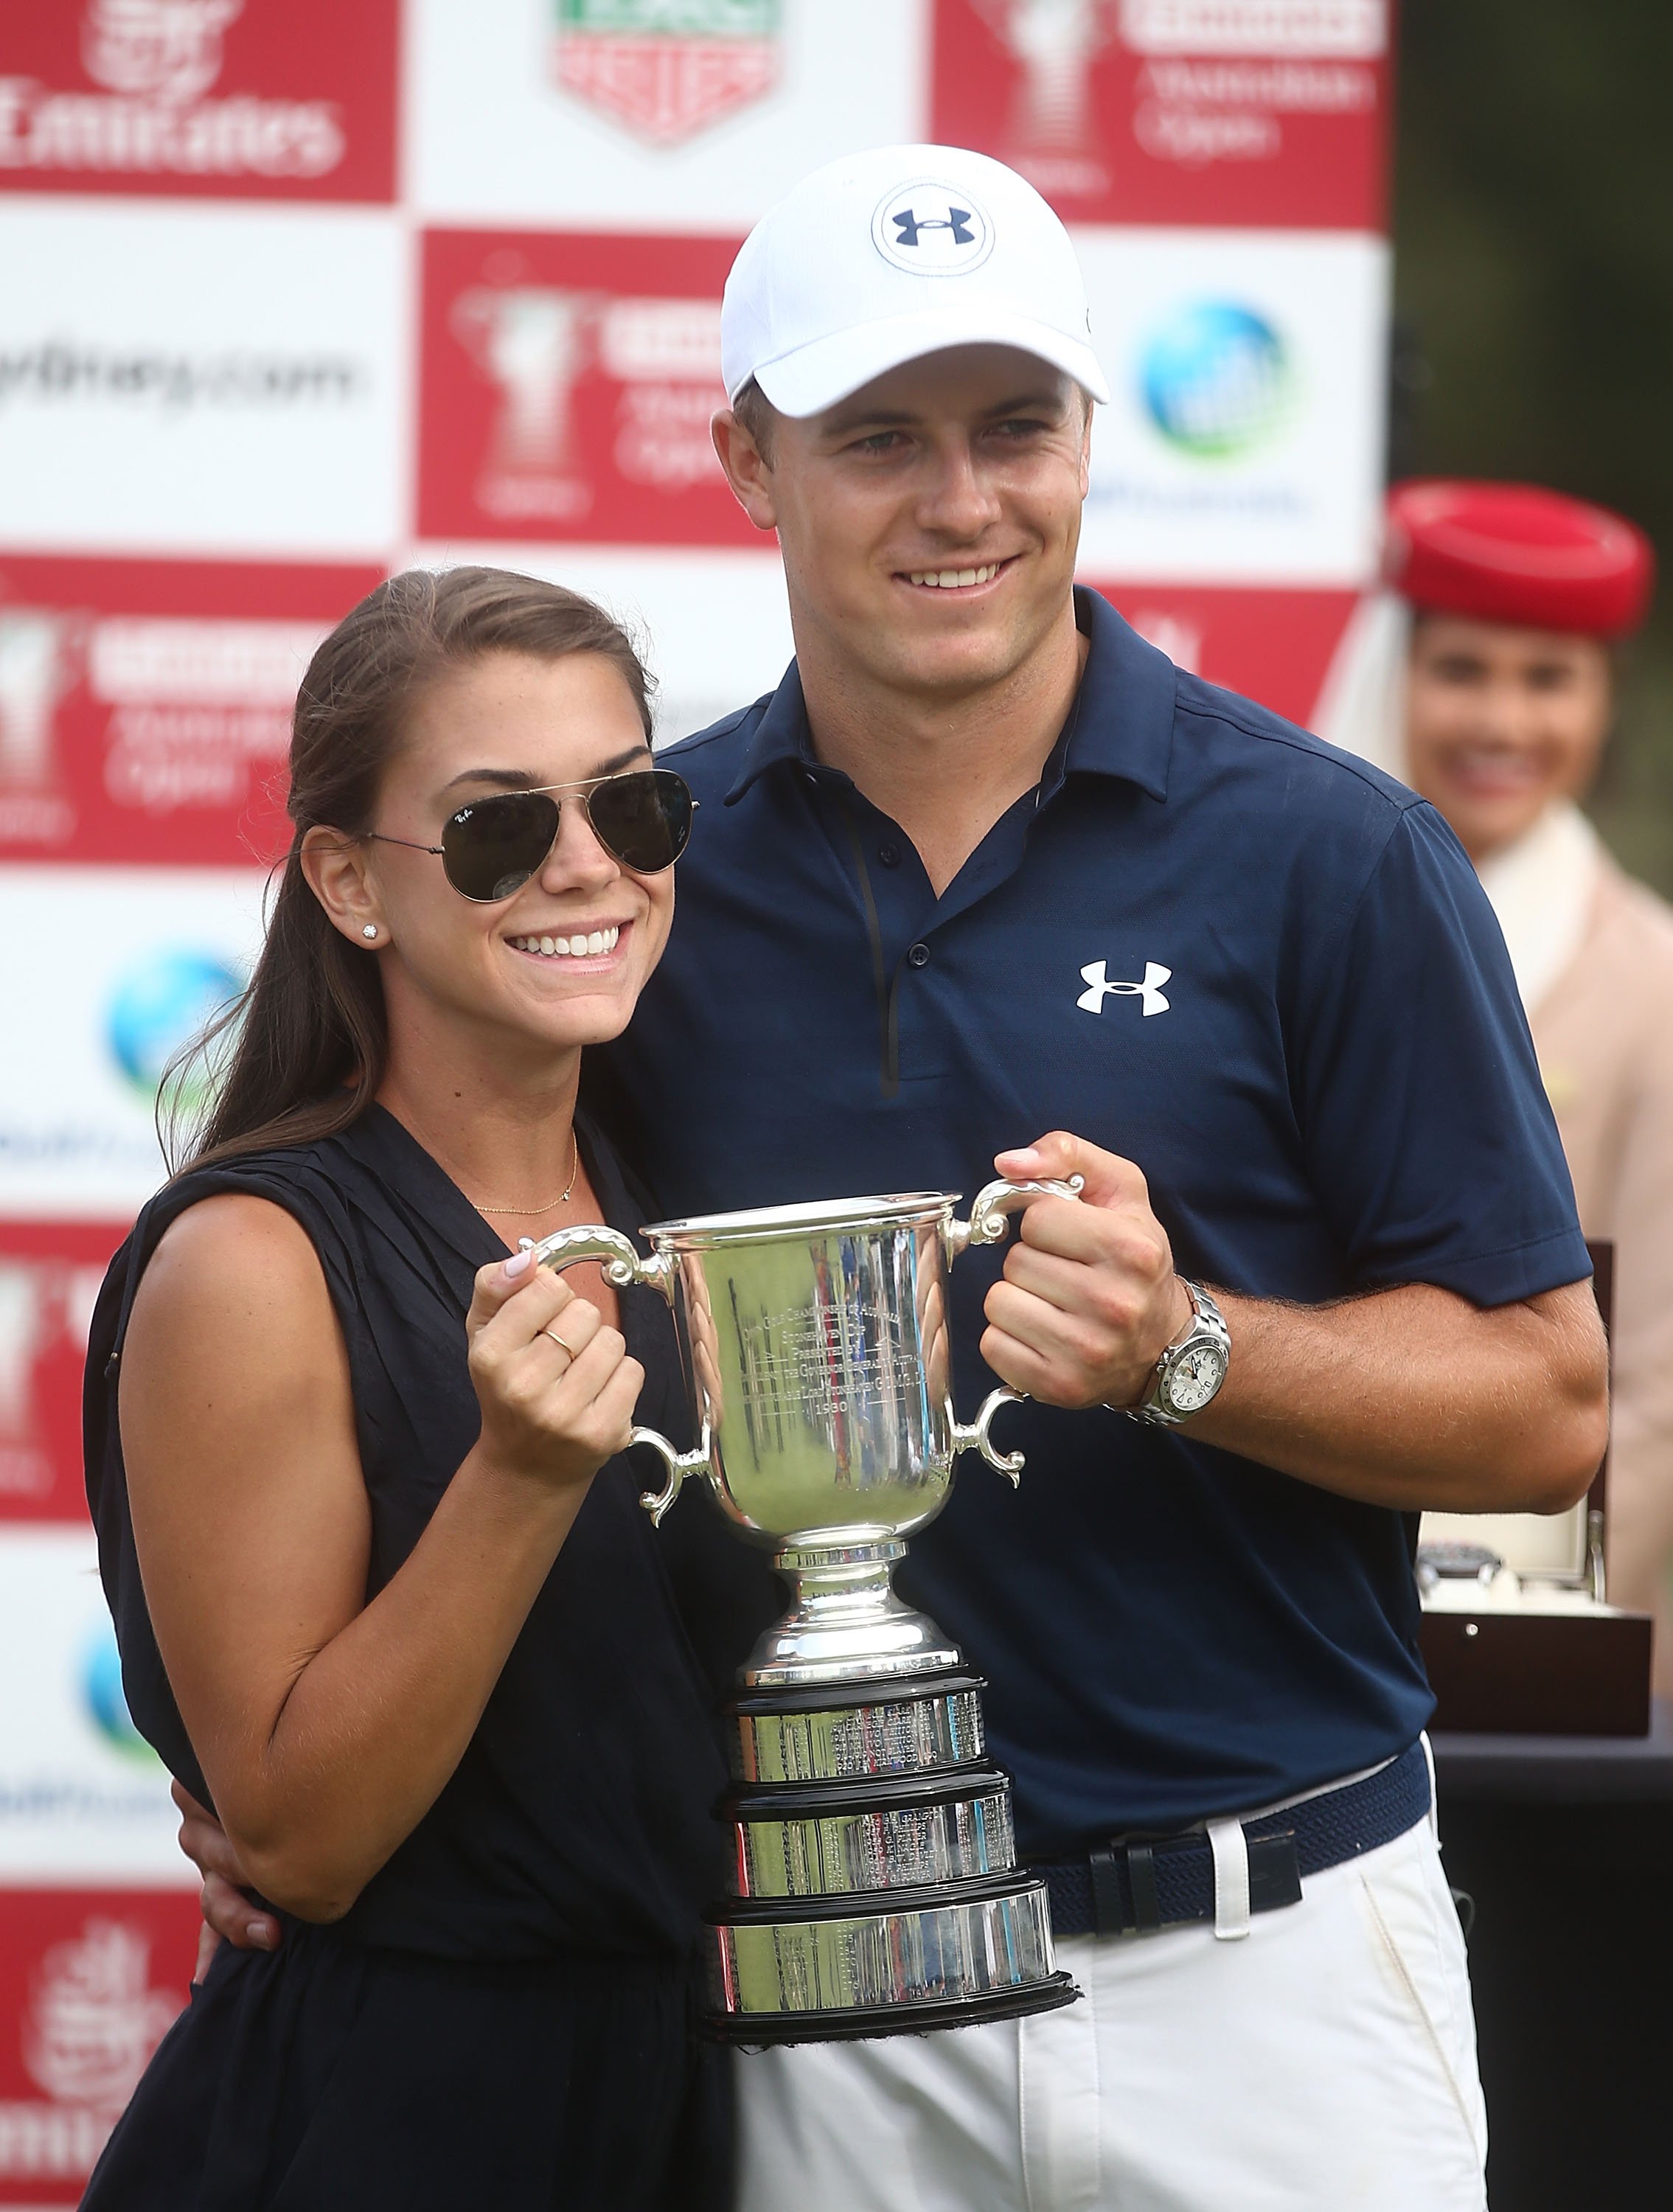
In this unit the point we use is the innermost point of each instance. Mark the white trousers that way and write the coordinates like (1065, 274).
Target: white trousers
(1323, 2062)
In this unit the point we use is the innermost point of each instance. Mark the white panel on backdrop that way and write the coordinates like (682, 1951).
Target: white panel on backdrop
(82, 1797)
(650, 114)
(108, 972)
(715, 625)
(188, 380)
(1243, 441)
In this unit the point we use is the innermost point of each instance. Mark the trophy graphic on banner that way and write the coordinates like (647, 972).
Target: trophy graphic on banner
(34, 674)
(1054, 42)
(23, 1331)
(876, 1888)
(534, 342)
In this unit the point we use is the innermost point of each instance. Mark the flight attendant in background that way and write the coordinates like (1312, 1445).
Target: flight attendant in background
(1484, 678)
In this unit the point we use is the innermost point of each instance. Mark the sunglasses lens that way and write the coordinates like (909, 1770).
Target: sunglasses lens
(491, 848)
(644, 819)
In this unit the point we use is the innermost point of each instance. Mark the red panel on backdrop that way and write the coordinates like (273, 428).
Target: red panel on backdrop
(1272, 646)
(89, 1983)
(568, 383)
(145, 705)
(1206, 112)
(50, 1273)
(269, 99)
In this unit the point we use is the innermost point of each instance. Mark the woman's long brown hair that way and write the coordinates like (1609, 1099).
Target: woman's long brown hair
(303, 1053)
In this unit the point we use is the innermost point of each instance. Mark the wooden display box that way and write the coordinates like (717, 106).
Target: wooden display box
(1534, 1649)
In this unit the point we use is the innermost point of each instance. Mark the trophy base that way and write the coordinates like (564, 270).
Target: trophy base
(848, 1732)
(846, 1625)
(878, 1887)
(745, 2031)
(808, 1969)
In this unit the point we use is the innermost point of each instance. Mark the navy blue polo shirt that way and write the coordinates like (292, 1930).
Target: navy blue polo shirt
(1247, 962)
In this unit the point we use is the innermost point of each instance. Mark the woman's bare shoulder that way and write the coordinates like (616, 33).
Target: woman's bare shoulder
(232, 1274)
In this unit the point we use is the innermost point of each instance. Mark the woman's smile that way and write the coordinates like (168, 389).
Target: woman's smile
(585, 950)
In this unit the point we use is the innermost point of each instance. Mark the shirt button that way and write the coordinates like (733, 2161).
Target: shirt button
(890, 856)
(919, 956)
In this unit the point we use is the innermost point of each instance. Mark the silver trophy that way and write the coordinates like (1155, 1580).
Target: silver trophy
(876, 1889)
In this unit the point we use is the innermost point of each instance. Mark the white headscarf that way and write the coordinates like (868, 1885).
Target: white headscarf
(1541, 887)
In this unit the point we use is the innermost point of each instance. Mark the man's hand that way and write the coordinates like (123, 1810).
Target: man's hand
(224, 1898)
(1089, 1300)
(1410, 1396)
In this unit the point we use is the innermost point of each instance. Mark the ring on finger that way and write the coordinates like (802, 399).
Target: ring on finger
(556, 1339)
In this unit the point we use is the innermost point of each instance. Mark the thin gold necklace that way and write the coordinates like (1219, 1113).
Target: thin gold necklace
(534, 1212)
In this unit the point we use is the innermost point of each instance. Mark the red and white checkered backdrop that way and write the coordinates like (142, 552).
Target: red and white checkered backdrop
(296, 292)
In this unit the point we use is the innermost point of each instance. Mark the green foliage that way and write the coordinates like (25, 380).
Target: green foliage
(1534, 269)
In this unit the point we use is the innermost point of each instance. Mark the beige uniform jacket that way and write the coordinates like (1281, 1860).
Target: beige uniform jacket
(1604, 1032)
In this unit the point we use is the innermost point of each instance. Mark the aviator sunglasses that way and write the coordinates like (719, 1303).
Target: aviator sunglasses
(492, 847)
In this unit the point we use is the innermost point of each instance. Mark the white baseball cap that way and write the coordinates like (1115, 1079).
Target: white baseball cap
(883, 256)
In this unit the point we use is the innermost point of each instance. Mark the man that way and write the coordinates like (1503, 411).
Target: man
(987, 869)
(1505, 606)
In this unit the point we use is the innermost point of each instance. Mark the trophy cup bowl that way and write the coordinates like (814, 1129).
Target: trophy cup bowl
(876, 1889)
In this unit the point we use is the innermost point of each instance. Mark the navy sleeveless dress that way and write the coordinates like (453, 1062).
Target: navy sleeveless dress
(505, 2017)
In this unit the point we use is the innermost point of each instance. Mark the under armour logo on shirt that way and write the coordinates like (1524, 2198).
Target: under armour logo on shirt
(956, 220)
(1098, 989)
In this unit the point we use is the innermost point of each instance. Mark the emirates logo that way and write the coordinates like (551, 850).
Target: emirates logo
(155, 62)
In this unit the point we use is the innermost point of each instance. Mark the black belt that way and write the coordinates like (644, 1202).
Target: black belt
(1158, 1881)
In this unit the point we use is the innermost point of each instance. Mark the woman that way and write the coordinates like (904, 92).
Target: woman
(1484, 679)
(383, 1589)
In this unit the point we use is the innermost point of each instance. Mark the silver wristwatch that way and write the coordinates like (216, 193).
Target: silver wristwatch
(1190, 1372)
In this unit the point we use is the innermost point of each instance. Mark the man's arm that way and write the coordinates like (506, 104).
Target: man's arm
(1410, 1397)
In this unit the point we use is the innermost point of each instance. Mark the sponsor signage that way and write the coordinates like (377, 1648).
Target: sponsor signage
(145, 705)
(650, 115)
(1275, 647)
(291, 99)
(567, 385)
(202, 379)
(667, 69)
(714, 627)
(82, 1796)
(1243, 438)
(90, 1982)
(50, 1273)
(1267, 112)
(124, 967)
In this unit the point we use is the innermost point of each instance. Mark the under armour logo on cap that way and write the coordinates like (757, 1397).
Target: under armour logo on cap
(956, 220)
(1150, 991)
(930, 230)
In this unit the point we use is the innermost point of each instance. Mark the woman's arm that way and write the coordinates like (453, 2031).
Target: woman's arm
(327, 1726)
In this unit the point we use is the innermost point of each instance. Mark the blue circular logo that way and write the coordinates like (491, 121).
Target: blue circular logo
(1216, 380)
(101, 1686)
(162, 1005)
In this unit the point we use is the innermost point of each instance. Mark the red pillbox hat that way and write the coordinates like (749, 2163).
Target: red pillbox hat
(1513, 553)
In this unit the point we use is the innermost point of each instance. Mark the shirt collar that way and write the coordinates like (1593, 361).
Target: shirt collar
(1121, 724)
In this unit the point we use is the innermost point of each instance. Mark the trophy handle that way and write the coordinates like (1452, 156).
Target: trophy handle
(975, 1437)
(623, 1265)
(993, 1205)
(680, 1464)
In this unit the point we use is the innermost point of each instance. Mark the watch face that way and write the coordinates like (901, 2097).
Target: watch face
(1194, 1380)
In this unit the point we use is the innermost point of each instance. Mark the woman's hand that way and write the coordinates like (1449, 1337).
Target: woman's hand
(553, 1379)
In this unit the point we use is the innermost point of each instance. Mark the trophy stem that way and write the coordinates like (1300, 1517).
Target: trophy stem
(845, 1623)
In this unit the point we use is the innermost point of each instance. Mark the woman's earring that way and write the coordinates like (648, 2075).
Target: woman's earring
(368, 929)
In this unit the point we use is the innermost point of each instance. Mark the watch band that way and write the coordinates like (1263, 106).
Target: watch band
(1208, 1332)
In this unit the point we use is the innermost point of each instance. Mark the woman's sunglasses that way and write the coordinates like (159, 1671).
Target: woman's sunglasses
(492, 847)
